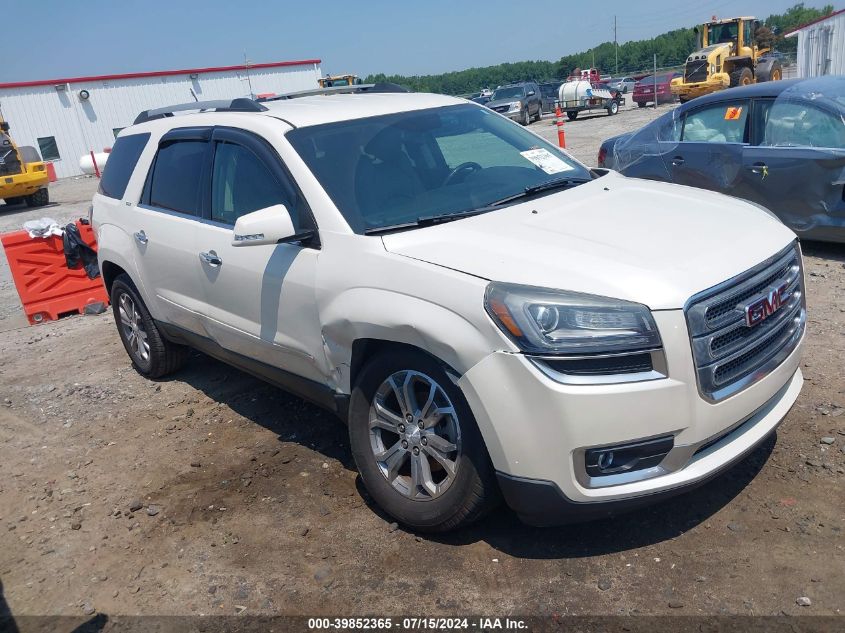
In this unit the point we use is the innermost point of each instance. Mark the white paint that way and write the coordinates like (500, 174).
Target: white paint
(821, 47)
(82, 126)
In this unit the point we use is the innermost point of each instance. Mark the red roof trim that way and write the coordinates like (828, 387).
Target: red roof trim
(816, 21)
(158, 73)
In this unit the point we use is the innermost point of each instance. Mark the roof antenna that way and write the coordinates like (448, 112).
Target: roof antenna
(248, 79)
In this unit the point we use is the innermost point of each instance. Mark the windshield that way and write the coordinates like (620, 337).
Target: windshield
(721, 33)
(392, 169)
(549, 90)
(509, 93)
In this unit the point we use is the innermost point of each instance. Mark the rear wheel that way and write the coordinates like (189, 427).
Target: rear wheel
(642, 104)
(151, 354)
(742, 77)
(416, 444)
(539, 111)
(38, 199)
(683, 98)
(572, 115)
(613, 108)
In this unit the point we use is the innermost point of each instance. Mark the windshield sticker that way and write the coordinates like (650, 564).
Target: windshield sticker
(546, 161)
(733, 113)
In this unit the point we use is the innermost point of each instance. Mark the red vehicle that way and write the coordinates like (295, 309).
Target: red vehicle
(644, 90)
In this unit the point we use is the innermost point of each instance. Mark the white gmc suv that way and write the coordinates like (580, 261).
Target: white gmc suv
(489, 316)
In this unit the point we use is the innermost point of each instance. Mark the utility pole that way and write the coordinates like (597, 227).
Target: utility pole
(616, 45)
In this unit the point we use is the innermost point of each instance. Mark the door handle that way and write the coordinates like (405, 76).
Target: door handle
(211, 259)
(759, 168)
(141, 237)
(677, 161)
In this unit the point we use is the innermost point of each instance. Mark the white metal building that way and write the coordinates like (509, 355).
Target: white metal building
(821, 46)
(66, 119)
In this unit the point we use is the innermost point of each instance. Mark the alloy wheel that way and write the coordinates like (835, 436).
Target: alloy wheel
(415, 435)
(133, 328)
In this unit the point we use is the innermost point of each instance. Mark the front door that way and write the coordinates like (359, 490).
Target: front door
(259, 300)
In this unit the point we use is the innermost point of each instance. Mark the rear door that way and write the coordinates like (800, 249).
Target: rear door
(795, 165)
(165, 225)
(710, 152)
(259, 301)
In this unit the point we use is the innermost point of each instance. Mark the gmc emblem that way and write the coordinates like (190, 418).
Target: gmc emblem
(763, 307)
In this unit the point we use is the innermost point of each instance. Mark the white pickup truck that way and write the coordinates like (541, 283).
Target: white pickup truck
(490, 317)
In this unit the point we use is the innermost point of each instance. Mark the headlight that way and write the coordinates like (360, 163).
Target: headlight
(543, 321)
(515, 107)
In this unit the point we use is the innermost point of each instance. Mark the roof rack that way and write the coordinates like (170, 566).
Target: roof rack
(333, 90)
(241, 104)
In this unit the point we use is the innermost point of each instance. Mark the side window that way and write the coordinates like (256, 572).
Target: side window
(121, 163)
(177, 176)
(49, 148)
(242, 183)
(788, 124)
(718, 123)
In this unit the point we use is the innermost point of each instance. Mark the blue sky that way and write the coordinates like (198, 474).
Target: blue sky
(66, 38)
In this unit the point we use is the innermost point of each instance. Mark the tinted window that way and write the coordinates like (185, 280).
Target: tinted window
(718, 123)
(798, 124)
(121, 163)
(49, 148)
(177, 175)
(242, 183)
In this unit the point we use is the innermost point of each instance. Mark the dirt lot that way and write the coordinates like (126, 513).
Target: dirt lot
(211, 492)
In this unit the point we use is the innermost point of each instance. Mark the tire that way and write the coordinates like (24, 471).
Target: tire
(526, 118)
(39, 198)
(571, 115)
(742, 77)
(162, 356)
(613, 108)
(13, 201)
(539, 111)
(683, 99)
(446, 501)
(769, 72)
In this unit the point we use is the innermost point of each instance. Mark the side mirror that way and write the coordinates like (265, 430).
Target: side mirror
(530, 93)
(265, 226)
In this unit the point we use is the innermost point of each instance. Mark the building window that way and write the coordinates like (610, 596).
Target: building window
(49, 149)
(116, 131)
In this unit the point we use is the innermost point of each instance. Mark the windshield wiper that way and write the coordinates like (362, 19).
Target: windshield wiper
(559, 183)
(426, 220)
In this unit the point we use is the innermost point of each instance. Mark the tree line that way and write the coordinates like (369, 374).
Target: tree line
(671, 48)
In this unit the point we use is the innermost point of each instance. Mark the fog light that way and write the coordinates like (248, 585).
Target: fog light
(621, 458)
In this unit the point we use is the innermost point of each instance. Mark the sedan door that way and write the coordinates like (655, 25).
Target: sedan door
(710, 152)
(796, 166)
(259, 299)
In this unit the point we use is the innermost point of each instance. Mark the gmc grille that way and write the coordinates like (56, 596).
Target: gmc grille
(503, 108)
(695, 71)
(730, 355)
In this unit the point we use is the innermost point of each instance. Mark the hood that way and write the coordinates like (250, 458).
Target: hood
(705, 52)
(648, 242)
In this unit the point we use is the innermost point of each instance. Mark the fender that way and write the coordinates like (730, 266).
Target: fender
(112, 245)
(386, 315)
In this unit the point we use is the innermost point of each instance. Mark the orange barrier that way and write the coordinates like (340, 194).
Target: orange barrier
(561, 135)
(47, 287)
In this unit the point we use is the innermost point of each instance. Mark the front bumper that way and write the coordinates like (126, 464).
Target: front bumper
(536, 429)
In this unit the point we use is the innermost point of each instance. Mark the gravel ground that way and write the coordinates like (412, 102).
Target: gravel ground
(211, 492)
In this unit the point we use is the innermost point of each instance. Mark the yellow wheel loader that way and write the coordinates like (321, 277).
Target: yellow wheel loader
(728, 56)
(23, 175)
(330, 81)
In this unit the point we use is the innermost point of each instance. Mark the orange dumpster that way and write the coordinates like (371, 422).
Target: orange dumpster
(47, 287)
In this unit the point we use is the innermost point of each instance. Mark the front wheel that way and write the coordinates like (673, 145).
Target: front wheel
(38, 199)
(613, 108)
(151, 354)
(417, 446)
(526, 118)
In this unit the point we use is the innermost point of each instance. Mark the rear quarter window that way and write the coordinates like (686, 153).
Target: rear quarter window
(121, 163)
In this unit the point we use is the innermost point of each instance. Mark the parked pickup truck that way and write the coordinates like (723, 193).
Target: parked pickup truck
(490, 317)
